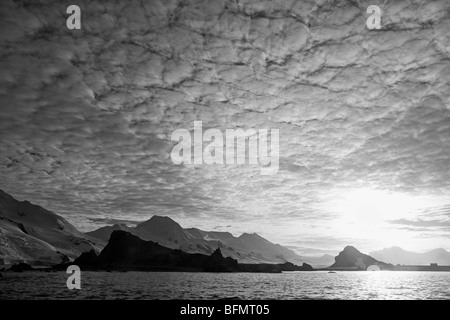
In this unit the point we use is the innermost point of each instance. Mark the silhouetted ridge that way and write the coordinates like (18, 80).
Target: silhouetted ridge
(126, 251)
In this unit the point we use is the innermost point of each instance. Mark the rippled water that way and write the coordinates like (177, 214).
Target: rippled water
(179, 285)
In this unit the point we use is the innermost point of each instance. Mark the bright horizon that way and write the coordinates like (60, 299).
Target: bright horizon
(360, 210)
(360, 118)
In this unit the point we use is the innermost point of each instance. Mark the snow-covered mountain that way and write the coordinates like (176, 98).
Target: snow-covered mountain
(33, 234)
(247, 248)
(397, 255)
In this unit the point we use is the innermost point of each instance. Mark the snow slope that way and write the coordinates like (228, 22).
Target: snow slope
(33, 234)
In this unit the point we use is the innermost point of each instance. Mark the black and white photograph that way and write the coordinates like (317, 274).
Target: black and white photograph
(225, 150)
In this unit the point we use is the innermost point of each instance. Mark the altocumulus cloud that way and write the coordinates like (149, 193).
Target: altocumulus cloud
(87, 114)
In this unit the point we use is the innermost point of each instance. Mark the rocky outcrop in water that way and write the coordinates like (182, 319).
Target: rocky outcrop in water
(352, 259)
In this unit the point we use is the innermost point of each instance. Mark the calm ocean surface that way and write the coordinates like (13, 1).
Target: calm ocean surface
(179, 285)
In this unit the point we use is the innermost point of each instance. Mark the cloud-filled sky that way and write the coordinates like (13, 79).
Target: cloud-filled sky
(364, 116)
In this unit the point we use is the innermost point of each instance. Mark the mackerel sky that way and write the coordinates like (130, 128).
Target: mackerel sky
(364, 116)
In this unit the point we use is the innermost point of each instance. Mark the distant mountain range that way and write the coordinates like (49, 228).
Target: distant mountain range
(397, 255)
(35, 235)
(247, 248)
(32, 234)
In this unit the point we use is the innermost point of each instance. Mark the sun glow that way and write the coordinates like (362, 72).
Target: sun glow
(368, 206)
(366, 214)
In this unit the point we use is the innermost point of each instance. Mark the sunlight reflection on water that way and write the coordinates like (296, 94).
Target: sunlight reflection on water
(178, 285)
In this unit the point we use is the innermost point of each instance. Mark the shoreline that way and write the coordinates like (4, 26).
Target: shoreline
(194, 270)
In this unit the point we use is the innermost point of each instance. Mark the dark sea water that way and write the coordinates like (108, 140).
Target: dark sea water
(179, 285)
